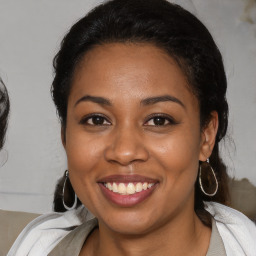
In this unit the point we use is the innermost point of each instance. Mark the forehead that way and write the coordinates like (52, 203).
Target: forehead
(129, 70)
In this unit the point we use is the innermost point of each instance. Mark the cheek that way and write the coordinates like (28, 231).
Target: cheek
(179, 156)
(180, 165)
(83, 156)
(83, 153)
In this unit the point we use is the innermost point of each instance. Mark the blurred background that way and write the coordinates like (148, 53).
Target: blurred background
(30, 33)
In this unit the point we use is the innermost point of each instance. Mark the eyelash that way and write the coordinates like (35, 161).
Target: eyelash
(165, 117)
(85, 120)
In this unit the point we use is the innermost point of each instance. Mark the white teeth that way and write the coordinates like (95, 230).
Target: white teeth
(128, 188)
(139, 187)
(109, 186)
(145, 185)
(114, 187)
(150, 185)
(121, 188)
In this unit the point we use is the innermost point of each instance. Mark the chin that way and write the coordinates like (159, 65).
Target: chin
(128, 223)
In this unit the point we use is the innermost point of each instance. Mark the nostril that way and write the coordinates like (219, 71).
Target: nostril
(126, 153)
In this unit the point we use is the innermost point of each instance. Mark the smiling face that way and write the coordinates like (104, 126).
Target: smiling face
(133, 138)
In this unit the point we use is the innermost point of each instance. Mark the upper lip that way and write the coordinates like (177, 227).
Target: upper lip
(127, 179)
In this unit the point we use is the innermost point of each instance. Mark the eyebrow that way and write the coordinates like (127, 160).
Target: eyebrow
(145, 102)
(98, 100)
(162, 98)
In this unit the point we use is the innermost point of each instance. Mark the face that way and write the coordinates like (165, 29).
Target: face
(133, 138)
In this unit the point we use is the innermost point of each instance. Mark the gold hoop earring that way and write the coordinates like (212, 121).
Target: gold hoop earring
(65, 185)
(207, 179)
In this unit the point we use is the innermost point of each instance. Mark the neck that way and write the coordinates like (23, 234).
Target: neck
(179, 237)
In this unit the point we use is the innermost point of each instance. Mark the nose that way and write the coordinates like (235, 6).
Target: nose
(126, 147)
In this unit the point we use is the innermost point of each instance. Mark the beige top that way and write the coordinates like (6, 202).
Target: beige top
(73, 242)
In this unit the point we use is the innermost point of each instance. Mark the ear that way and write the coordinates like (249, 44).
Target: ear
(208, 136)
(63, 136)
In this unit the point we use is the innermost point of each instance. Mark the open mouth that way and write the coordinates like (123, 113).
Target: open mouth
(128, 188)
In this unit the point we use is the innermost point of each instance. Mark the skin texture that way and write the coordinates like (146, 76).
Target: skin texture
(128, 141)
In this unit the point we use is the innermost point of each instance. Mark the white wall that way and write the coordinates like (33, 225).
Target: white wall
(30, 33)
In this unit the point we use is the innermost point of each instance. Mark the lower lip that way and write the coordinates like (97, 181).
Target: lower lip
(127, 200)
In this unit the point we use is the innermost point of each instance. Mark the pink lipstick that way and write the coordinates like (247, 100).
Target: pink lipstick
(127, 190)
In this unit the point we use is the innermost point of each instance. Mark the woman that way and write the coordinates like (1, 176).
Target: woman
(140, 91)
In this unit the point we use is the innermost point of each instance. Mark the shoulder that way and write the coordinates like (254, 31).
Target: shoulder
(43, 233)
(237, 231)
(12, 223)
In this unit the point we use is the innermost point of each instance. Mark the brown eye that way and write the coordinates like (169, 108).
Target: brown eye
(160, 120)
(95, 120)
